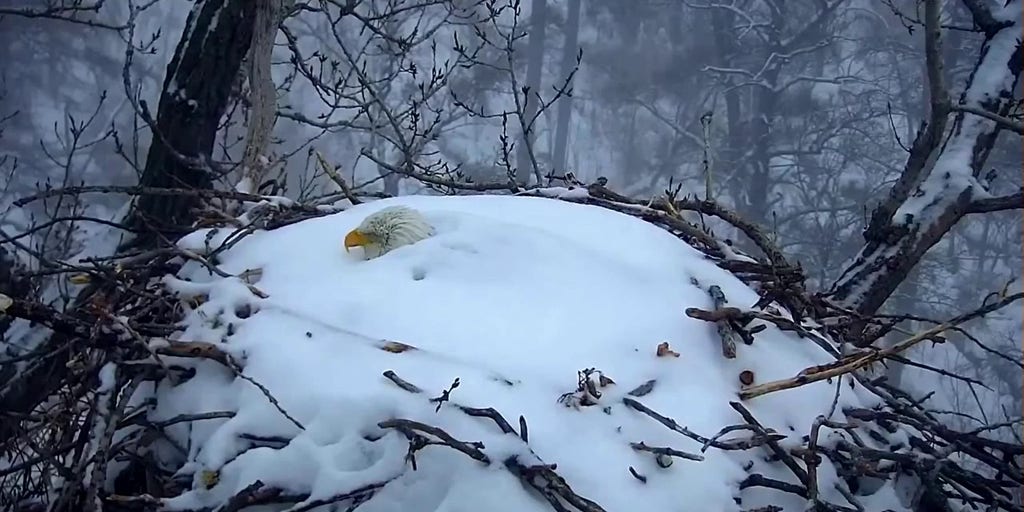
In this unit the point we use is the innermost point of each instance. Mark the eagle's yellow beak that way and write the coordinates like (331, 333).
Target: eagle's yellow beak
(355, 238)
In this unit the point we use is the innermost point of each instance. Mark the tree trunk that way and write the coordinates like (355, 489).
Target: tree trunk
(942, 169)
(534, 66)
(763, 112)
(391, 182)
(195, 95)
(760, 182)
(730, 150)
(569, 53)
(263, 92)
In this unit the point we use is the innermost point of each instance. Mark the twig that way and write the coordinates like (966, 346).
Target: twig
(773, 446)
(551, 486)
(413, 428)
(197, 349)
(329, 170)
(725, 332)
(393, 377)
(673, 425)
(666, 451)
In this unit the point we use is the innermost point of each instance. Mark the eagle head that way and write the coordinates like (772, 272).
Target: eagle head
(388, 229)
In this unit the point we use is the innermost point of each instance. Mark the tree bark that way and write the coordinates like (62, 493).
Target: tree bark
(569, 53)
(942, 169)
(534, 66)
(725, 46)
(263, 92)
(195, 95)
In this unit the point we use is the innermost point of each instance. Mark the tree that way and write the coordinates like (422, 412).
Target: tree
(194, 97)
(526, 158)
(570, 60)
(193, 100)
(942, 180)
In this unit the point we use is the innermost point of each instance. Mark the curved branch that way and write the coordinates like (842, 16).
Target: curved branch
(997, 204)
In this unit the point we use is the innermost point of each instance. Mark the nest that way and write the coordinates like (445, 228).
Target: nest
(73, 421)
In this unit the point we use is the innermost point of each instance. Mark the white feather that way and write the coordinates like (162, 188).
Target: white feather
(393, 227)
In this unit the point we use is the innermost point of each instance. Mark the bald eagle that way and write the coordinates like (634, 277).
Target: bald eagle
(388, 229)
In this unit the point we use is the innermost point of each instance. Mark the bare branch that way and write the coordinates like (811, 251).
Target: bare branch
(996, 204)
(1003, 122)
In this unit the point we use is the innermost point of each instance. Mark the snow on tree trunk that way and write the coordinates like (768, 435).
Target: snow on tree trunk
(942, 170)
(195, 95)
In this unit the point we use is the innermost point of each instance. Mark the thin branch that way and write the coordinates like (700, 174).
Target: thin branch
(866, 358)
(1004, 122)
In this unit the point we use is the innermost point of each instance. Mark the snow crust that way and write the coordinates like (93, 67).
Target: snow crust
(512, 296)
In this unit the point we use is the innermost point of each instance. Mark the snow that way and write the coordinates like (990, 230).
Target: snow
(108, 379)
(953, 173)
(513, 296)
(562, 192)
(992, 75)
(1010, 12)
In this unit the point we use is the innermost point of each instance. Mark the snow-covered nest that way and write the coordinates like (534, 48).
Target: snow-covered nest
(513, 297)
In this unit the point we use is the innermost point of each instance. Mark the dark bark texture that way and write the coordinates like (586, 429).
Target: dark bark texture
(195, 95)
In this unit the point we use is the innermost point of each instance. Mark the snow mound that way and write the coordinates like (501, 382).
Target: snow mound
(512, 296)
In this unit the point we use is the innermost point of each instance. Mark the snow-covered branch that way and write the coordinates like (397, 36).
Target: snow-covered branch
(942, 171)
(997, 204)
